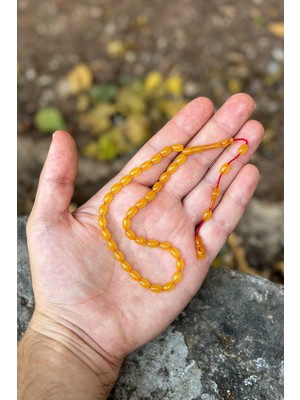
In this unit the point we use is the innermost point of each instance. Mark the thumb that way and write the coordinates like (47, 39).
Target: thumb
(57, 179)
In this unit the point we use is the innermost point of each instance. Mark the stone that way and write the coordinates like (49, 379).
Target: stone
(226, 344)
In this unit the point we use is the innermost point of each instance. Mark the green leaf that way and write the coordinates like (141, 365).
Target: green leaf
(49, 119)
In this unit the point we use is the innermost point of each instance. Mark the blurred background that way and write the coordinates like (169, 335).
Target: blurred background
(112, 73)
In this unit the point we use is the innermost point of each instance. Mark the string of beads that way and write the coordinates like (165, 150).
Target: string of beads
(150, 195)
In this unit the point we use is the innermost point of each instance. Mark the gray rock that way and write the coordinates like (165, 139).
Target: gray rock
(226, 344)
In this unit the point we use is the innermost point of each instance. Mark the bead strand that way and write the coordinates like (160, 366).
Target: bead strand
(149, 196)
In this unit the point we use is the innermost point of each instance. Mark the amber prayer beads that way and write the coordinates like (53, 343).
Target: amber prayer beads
(132, 211)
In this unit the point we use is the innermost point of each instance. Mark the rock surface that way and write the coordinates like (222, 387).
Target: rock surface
(227, 343)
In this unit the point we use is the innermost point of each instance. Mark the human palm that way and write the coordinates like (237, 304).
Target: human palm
(76, 279)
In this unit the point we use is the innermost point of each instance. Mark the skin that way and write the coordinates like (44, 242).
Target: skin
(89, 313)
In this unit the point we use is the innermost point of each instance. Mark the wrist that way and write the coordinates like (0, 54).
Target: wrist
(65, 360)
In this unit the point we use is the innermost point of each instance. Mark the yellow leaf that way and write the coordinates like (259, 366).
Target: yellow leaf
(173, 85)
(235, 85)
(80, 78)
(137, 129)
(276, 28)
(116, 48)
(153, 81)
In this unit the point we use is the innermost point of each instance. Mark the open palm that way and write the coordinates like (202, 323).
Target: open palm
(76, 279)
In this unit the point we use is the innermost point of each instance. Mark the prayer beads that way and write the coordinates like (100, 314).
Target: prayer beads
(150, 195)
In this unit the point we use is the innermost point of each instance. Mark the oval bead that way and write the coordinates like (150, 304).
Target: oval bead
(144, 283)
(165, 245)
(179, 264)
(126, 223)
(141, 203)
(187, 151)
(125, 180)
(130, 234)
(102, 222)
(152, 243)
(177, 277)
(119, 256)
(243, 149)
(140, 240)
(164, 177)
(180, 159)
(135, 172)
(135, 275)
(175, 252)
(146, 165)
(157, 186)
(108, 198)
(172, 168)
(156, 159)
(165, 151)
(177, 147)
(131, 212)
(150, 195)
(103, 209)
(207, 214)
(155, 288)
(106, 234)
(115, 188)
(112, 245)
(225, 168)
(168, 286)
(126, 266)
(216, 192)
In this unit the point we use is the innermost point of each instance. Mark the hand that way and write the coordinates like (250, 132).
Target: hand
(79, 288)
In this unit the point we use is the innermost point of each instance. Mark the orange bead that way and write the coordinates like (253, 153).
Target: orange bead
(130, 234)
(144, 283)
(131, 212)
(156, 288)
(126, 223)
(135, 172)
(119, 256)
(226, 142)
(157, 186)
(102, 222)
(177, 277)
(152, 243)
(175, 252)
(180, 159)
(168, 286)
(150, 195)
(165, 245)
(125, 180)
(165, 151)
(141, 203)
(115, 188)
(216, 192)
(179, 264)
(126, 266)
(156, 159)
(135, 275)
(187, 151)
(108, 198)
(225, 168)
(146, 165)
(112, 245)
(103, 210)
(207, 214)
(106, 234)
(140, 240)
(243, 149)
(172, 168)
(200, 249)
(164, 177)
(177, 147)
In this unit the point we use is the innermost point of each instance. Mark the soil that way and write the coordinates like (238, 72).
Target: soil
(218, 46)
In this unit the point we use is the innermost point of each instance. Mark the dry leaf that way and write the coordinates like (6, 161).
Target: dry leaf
(80, 78)
(277, 29)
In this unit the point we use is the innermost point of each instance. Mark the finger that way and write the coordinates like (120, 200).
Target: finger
(228, 213)
(180, 129)
(56, 184)
(223, 124)
(199, 198)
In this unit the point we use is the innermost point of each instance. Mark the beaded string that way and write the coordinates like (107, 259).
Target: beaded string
(150, 195)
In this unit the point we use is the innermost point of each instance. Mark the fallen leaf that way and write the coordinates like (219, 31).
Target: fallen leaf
(116, 48)
(106, 148)
(276, 28)
(103, 93)
(80, 78)
(173, 85)
(137, 129)
(153, 81)
(49, 119)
